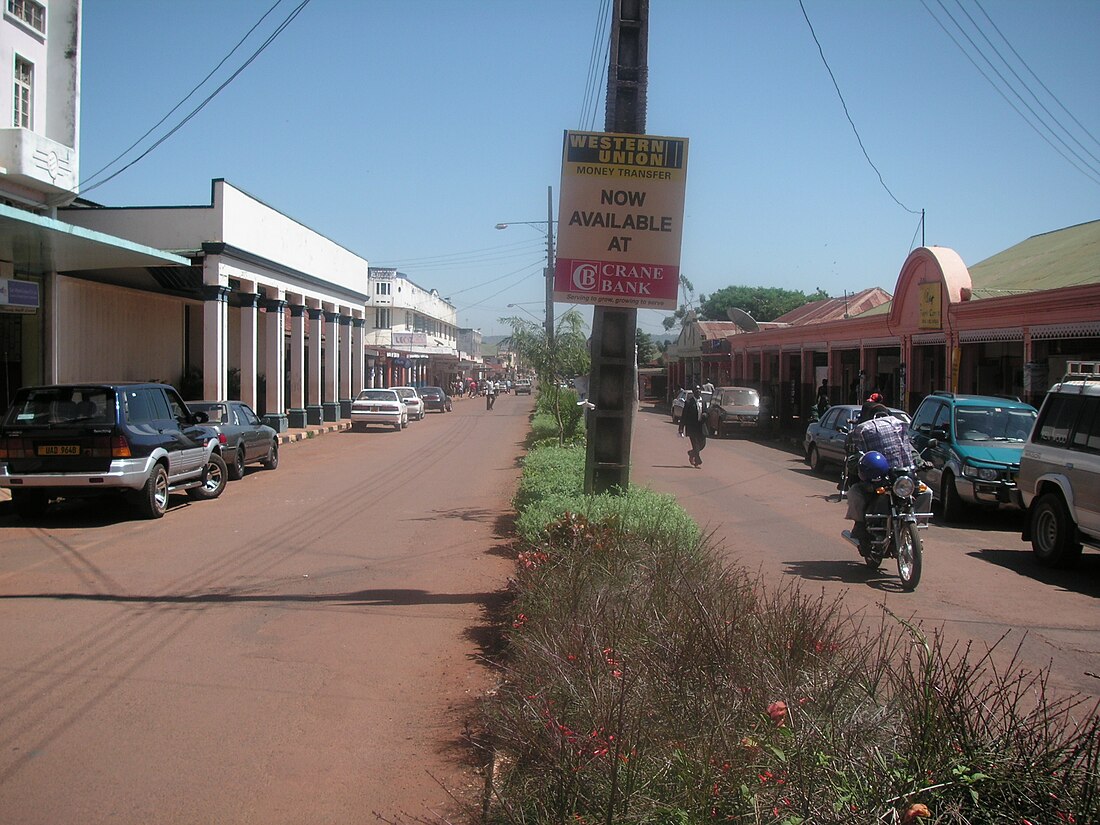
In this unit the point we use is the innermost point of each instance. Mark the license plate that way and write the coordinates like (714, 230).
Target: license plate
(59, 449)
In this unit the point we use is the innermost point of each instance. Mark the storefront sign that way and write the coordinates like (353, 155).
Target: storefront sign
(620, 220)
(409, 339)
(18, 296)
(931, 312)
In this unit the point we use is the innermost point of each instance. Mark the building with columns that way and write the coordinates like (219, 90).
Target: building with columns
(1004, 326)
(263, 297)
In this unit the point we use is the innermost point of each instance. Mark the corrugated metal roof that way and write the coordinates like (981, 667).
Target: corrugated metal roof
(834, 309)
(1065, 257)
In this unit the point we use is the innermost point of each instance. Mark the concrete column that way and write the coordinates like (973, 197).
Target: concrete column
(297, 412)
(314, 408)
(249, 333)
(345, 366)
(358, 357)
(275, 365)
(215, 347)
(330, 369)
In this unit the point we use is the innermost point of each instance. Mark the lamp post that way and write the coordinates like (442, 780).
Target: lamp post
(549, 271)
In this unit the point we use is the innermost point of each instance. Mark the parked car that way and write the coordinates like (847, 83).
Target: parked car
(826, 439)
(244, 438)
(523, 387)
(379, 406)
(733, 409)
(1059, 481)
(678, 404)
(976, 457)
(81, 440)
(435, 399)
(412, 402)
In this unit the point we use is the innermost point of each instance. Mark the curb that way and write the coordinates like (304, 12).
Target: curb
(291, 436)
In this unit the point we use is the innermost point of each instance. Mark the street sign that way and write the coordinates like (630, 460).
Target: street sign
(620, 220)
(18, 296)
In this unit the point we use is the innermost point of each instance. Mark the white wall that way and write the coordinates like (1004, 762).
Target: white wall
(115, 334)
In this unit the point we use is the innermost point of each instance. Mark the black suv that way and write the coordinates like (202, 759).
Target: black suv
(76, 440)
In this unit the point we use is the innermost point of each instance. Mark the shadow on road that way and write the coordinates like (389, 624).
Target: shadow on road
(848, 572)
(1084, 578)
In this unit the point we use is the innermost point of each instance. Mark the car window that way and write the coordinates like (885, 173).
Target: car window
(1057, 419)
(926, 414)
(1087, 434)
(172, 405)
(141, 406)
(248, 416)
(740, 398)
(214, 412)
(378, 395)
(829, 422)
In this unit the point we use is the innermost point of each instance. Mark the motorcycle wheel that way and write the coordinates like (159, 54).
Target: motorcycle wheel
(909, 557)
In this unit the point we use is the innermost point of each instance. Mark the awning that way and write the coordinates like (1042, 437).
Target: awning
(36, 245)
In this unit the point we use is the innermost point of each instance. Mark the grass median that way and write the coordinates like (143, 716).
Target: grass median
(645, 680)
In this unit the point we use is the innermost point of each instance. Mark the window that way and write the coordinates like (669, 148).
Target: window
(383, 288)
(30, 12)
(1058, 417)
(24, 94)
(926, 414)
(381, 318)
(1087, 434)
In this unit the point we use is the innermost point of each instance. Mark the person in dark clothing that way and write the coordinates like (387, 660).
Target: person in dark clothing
(693, 421)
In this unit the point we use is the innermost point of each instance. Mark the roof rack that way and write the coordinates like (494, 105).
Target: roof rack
(1082, 370)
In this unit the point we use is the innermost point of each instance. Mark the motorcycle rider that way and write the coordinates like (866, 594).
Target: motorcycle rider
(883, 439)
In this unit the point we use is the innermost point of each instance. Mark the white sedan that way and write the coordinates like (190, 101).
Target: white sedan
(379, 407)
(413, 402)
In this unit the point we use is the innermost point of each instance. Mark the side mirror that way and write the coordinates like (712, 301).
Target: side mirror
(939, 432)
(200, 417)
(844, 428)
(933, 444)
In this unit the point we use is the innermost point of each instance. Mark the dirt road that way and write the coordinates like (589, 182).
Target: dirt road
(305, 649)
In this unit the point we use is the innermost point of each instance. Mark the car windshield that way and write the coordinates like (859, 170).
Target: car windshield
(51, 406)
(741, 398)
(215, 413)
(993, 423)
(377, 395)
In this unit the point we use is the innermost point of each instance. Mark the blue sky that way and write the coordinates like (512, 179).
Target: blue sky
(406, 129)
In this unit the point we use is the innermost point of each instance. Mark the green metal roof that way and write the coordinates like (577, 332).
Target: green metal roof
(1065, 257)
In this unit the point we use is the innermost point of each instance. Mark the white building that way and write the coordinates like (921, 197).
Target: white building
(39, 165)
(411, 333)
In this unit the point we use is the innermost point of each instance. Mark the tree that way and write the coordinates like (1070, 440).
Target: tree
(762, 303)
(646, 351)
(554, 357)
(682, 312)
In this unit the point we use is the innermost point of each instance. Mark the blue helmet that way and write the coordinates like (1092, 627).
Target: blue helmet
(873, 465)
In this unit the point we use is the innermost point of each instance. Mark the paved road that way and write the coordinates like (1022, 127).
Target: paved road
(772, 515)
(302, 650)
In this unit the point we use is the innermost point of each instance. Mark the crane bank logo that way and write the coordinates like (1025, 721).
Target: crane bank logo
(585, 276)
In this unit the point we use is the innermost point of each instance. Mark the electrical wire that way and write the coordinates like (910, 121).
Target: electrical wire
(591, 87)
(1088, 172)
(472, 258)
(199, 85)
(263, 46)
(848, 115)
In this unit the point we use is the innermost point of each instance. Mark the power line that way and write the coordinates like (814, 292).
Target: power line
(263, 46)
(848, 115)
(1088, 171)
(185, 98)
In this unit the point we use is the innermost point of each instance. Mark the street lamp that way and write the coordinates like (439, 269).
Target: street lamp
(549, 273)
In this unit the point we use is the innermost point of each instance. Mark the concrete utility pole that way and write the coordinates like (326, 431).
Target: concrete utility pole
(613, 387)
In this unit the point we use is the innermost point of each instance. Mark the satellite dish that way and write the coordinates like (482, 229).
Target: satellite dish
(743, 320)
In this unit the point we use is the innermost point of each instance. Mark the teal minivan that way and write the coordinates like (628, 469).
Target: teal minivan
(973, 444)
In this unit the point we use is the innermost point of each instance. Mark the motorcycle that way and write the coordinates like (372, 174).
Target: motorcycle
(894, 522)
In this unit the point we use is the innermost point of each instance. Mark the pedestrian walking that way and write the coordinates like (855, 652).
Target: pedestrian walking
(693, 422)
(490, 394)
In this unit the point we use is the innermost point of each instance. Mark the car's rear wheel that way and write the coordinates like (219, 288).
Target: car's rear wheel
(1053, 535)
(214, 477)
(236, 467)
(151, 501)
(30, 504)
(272, 460)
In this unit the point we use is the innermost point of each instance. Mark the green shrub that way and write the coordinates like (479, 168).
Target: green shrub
(648, 682)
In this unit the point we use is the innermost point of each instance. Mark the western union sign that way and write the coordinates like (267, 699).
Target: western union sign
(620, 219)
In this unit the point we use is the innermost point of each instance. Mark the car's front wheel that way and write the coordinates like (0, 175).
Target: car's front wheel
(272, 460)
(1053, 534)
(815, 459)
(214, 477)
(951, 502)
